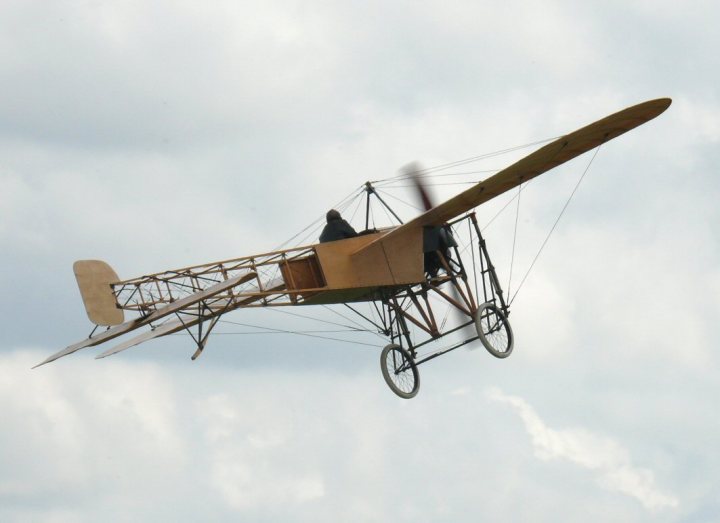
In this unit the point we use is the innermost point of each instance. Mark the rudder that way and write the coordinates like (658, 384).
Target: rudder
(94, 278)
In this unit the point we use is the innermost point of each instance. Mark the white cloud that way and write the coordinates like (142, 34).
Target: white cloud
(298, 446)
(168, 133)
(610, 461)
(250, 456)
(60, 434)
(701, 118)
(16, 204)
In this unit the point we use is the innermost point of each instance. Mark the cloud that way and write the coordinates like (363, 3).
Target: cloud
(76, 437)
(250, 463)
(702, 120)
(610, 461)
(283, 444)
(156, 135)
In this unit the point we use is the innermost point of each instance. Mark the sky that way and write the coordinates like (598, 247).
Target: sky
(161, 134)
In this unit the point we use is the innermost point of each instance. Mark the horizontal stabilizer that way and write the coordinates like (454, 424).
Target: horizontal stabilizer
(170, 327)
(176, 306)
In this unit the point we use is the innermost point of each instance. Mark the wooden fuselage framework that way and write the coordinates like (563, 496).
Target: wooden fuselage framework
(334, 272)
(320, 274)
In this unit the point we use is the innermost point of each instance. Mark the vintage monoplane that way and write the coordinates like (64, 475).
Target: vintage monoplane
(386, 268)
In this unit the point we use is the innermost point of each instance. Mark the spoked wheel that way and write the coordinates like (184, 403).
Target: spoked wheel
(494, 330)
(399, 371)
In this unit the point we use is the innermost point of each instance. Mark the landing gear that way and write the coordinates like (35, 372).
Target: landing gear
(494, 330)
(411, 307)
(400, 371)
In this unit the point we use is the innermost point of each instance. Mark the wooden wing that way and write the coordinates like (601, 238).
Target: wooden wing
(549, 156)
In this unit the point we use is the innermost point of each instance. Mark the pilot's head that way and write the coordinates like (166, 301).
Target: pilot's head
(332, 214)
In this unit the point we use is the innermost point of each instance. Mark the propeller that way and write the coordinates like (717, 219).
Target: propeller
(413, 171)
(425, 199)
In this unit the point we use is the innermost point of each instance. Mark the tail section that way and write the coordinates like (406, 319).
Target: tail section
(94, 278)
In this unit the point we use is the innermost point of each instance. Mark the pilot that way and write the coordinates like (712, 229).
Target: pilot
(336, 228)
(437, 242)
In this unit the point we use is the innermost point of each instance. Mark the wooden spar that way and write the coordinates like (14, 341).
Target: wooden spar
(268, 258)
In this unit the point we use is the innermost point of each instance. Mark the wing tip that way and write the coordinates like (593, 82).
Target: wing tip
(664, 102)
(656, 107)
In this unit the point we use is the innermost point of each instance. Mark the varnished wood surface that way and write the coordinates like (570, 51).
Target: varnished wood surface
(385, 264)
(536, 163)
(94, 278)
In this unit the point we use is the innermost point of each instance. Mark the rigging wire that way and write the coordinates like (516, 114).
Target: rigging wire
(282, 332)
(552, 229)
(385, 193)
(315, 223)
(299, 333)
(427, 171)
(319, 320)
(473, 182)
(523, 187)
(392, 183)
(342, 207)
(434, 175)
(343, 317)
(357, 207)
(512, 256)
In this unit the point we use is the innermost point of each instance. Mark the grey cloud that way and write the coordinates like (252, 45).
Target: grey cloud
(276, 444)
(602, 455)
(164, 134)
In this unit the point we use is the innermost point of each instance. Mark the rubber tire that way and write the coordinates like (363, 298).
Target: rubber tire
(505, 325)
(386, 353)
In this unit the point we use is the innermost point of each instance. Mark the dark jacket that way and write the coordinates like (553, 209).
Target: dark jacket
(436, 240)
(337, 229)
